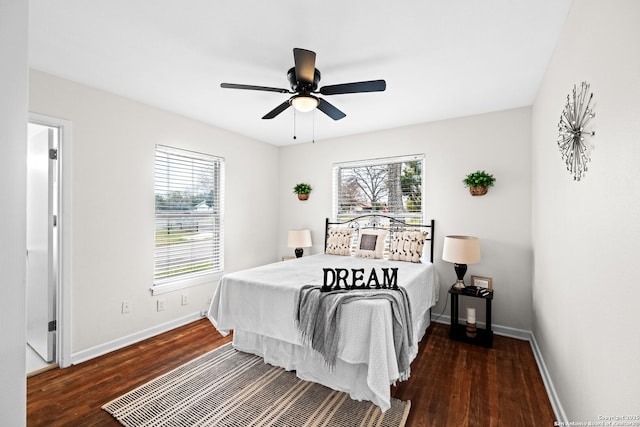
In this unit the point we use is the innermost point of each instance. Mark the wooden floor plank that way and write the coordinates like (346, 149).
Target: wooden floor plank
(474, 386)
(452, 383)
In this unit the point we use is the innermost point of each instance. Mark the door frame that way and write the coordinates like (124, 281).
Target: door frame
(64, 224)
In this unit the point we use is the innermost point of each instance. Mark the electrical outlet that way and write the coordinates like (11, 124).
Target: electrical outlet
(126, 307)
(160, 305)
(185, 299)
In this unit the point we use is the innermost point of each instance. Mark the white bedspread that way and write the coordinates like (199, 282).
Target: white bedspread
(259, 305)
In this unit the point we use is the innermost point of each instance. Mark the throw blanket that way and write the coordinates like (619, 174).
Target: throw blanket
(318, 318)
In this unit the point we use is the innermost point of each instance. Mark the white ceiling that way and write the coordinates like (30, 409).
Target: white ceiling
(440, 58)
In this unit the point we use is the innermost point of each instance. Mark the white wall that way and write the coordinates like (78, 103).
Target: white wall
(113, 204)
(585, 234)
(13, 174)
(498, 142)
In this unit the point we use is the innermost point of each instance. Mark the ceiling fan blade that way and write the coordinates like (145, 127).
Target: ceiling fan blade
(250, 87)
(330, 110)
(305, 61)
(279, 109)
(358, 87)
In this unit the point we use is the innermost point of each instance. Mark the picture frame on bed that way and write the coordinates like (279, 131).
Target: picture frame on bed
(482, 282)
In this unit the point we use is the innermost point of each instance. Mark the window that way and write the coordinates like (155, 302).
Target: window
(391, 186)
(188, 218)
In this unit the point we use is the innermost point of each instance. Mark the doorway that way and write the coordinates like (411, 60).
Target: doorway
(46, 282)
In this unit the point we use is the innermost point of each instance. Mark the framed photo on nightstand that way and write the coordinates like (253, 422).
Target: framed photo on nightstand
(482, 282)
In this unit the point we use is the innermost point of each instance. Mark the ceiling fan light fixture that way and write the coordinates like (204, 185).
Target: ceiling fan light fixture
(303, 78)
(304, 103)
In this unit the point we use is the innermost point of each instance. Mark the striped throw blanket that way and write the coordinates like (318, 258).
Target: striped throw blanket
(318, 319)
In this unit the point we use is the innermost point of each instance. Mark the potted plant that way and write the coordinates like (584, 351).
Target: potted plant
(302, 190)
(479, 182)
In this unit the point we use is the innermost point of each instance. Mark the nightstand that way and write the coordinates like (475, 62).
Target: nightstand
(484, 337)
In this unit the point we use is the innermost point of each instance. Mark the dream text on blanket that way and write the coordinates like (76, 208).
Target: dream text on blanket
(338, 279)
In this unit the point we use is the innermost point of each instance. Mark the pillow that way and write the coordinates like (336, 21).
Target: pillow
(339, 241)
(407, 246)
(371, 243)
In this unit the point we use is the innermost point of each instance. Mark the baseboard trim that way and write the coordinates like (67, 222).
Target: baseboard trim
(505, 331)
(521, 334)
(548, 384)
(102, 349)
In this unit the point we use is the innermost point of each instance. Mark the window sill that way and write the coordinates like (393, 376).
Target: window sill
(171, 285)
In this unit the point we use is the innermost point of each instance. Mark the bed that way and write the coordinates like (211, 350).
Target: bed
(260, 306)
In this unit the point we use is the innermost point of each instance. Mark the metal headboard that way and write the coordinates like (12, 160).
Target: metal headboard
(386, 222)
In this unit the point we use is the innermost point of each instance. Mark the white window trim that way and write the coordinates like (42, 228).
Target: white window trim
(175, 284)
(380, 161)
(373, 162)
(171, 284)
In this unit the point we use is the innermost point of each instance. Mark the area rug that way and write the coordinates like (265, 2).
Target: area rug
(226, 387)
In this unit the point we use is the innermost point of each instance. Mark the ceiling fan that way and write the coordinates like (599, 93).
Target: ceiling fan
(304, 78)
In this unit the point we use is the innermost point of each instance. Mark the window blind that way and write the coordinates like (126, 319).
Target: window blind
(391, 186)
(188, 214)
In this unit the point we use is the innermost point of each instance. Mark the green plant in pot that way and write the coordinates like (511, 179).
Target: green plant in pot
(479, 182)
(302, 190)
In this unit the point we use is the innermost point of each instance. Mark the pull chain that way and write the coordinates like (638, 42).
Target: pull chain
(294, 123)
(313, 136)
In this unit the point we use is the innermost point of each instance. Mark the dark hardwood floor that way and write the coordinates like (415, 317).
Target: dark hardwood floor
(458, 384)
(451, 384)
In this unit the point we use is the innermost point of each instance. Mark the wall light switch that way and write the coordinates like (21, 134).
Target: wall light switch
(126, 307)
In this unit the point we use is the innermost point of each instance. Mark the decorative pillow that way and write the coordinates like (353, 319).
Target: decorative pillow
(339, 241)
(371, 243)
(407, 246)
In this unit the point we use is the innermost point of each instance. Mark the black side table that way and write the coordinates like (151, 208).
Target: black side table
(484, 337)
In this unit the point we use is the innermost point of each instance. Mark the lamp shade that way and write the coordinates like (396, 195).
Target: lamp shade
(299, 239)
(461, 249)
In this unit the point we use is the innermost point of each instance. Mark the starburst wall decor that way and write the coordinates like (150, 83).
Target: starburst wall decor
(572, 130)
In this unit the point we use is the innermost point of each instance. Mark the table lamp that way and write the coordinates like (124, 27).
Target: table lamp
(299, 239)
(461, 250)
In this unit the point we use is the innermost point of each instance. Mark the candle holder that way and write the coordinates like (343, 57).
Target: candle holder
(471, 330)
